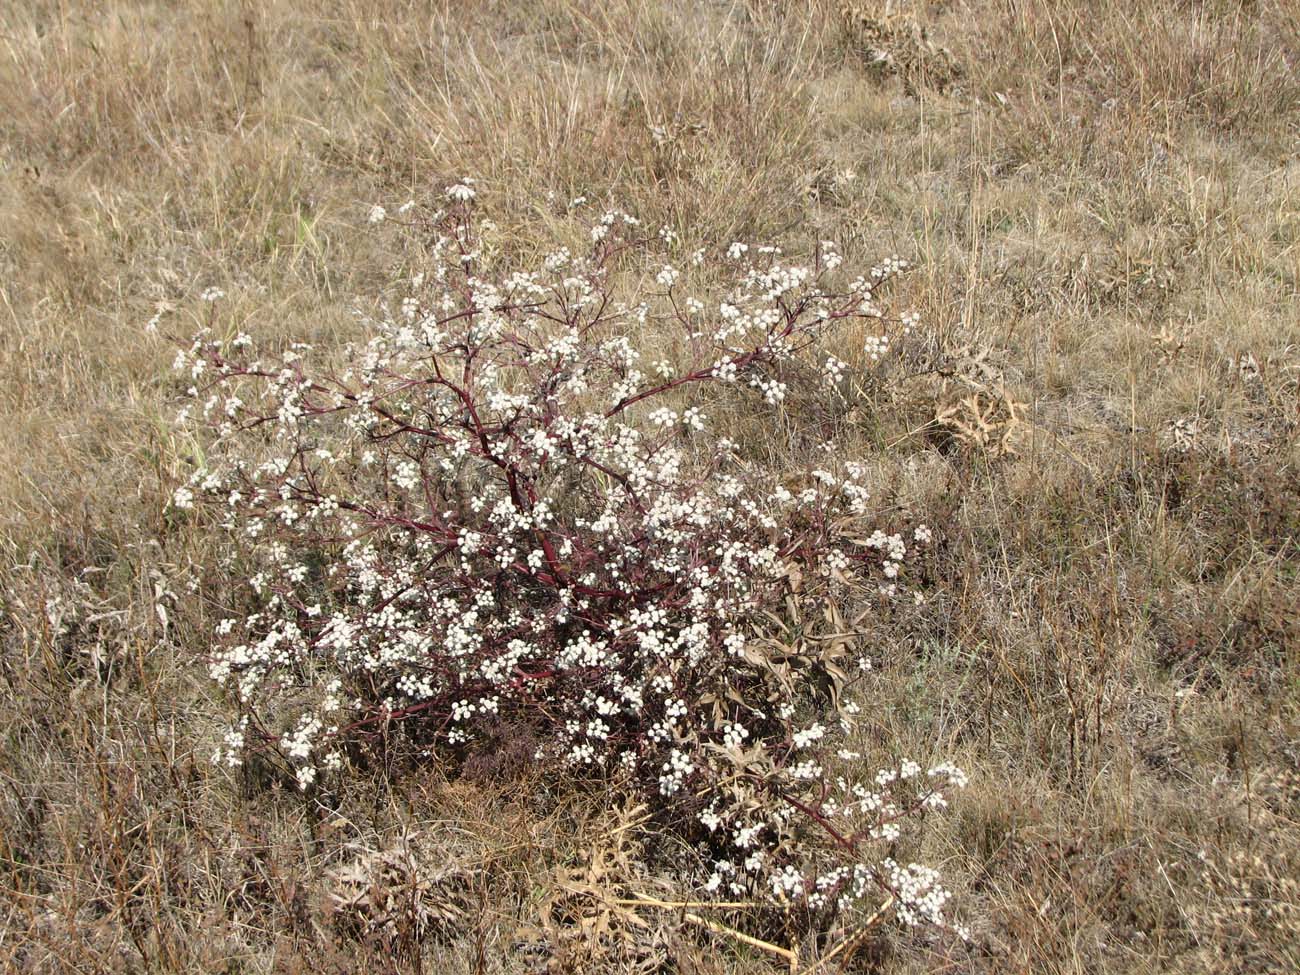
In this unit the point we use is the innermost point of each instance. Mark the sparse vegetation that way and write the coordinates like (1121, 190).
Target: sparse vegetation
(1095, 417)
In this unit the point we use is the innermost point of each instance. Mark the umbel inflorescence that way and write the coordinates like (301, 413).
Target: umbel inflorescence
(508, 508)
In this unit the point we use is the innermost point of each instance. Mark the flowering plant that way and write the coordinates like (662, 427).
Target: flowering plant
(495, 514)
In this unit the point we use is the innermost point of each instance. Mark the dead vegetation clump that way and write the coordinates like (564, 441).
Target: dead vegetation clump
(894, 43)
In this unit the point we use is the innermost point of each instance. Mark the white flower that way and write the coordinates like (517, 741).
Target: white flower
(802, 739)
(461, 192)
(407, 475)
(877, 346)
(734, 735)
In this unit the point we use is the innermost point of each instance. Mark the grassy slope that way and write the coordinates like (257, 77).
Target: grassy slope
(1107, 202)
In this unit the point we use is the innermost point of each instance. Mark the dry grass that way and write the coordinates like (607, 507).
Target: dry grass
(1104, 201)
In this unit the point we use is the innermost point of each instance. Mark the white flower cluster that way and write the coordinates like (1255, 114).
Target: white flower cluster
(493, 515)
